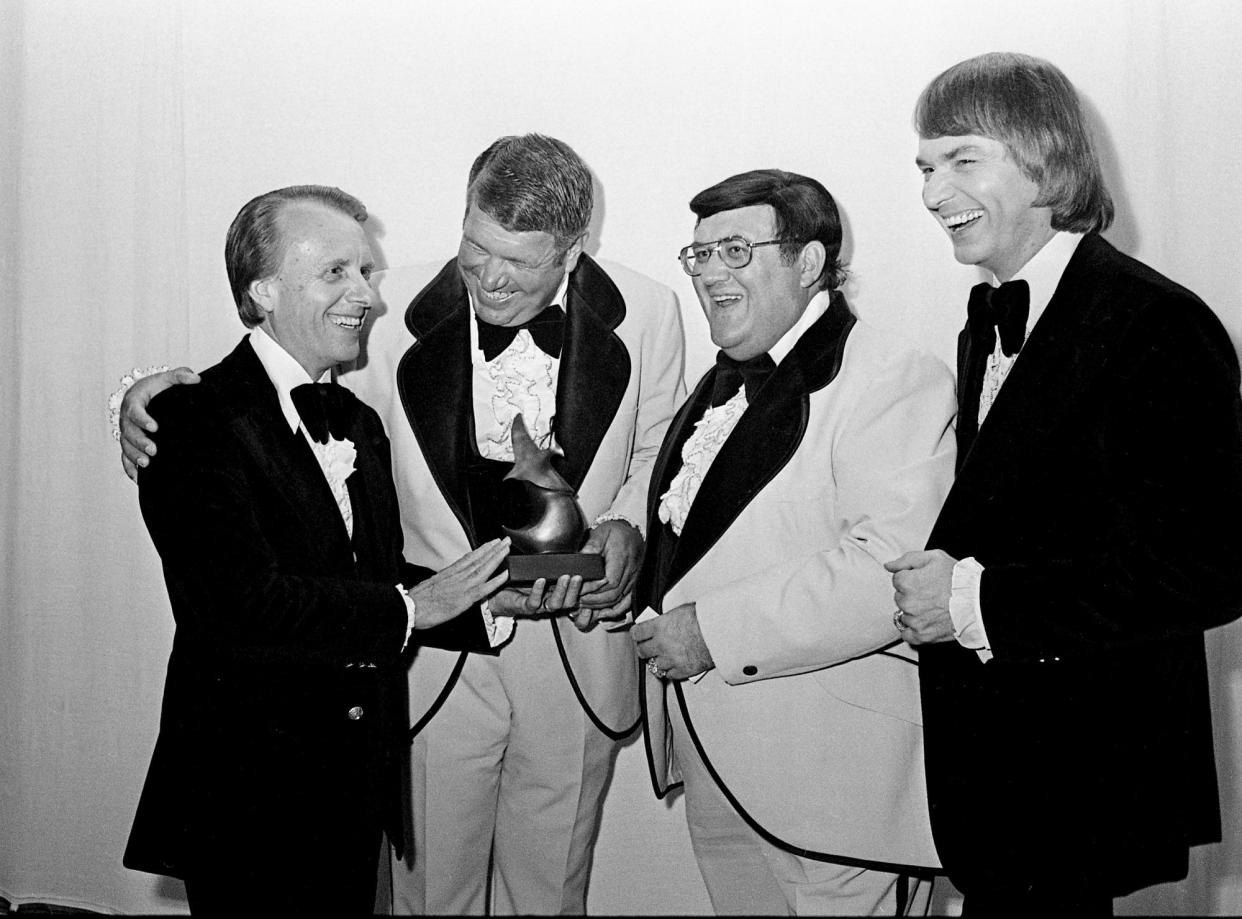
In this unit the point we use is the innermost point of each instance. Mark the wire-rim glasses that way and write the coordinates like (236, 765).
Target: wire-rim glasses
(735, 252)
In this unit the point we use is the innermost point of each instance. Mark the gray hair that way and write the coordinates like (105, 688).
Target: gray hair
(533, 183)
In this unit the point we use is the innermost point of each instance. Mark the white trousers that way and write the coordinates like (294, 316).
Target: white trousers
(746, 875)
(512, 773)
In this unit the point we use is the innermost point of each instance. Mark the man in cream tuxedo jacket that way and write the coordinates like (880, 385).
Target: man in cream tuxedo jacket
(512, 750)
(777, 688)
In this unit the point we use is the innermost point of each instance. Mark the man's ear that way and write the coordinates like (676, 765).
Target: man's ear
(811, 263)
(263, 293)
(573, 253)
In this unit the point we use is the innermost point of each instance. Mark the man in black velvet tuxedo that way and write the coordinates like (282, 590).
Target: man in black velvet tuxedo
(1092, 534)
(273, 510)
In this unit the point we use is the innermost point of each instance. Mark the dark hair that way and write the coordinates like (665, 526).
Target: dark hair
(805, 212)
(533, 183)
(255, 245)
(1031, 107)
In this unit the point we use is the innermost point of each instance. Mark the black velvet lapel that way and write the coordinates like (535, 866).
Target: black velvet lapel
(368, 540)
(1062, 354)
(434, 376)
(595, 367)
(765, 439)
(283, 456)
(433, 380)
(972, 362)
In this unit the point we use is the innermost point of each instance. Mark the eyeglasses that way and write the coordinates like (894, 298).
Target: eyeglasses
(735, 252)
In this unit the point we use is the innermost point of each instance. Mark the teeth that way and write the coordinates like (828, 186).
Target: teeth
(347, 322)
(499, 296)
(962, 217)
(726, 298)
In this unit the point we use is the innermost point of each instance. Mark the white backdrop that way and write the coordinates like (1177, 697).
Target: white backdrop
(131, 132)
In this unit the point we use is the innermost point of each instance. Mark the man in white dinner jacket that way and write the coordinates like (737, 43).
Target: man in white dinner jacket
(777, 690)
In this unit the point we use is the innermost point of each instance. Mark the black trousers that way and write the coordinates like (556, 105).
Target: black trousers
(315, 875)
(1050, 899)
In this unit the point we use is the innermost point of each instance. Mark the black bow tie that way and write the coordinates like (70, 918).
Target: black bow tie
(731, 375)
(546, 329)
(1001, 309)
(325, 408)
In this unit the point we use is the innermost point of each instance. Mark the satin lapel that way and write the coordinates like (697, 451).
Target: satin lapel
(368, 470)
(594, 370)
(971, 363)
(1060, 358)
(283, 457)
(765, 438)
(434, 381)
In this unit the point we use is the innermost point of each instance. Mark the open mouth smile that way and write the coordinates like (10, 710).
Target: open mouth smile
(961, 220)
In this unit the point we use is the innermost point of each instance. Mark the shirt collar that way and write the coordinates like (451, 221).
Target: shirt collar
(283, 370)
(817, 307)
(1043, 272)
(559, 298)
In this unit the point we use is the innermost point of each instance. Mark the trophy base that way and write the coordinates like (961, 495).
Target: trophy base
(526, 569)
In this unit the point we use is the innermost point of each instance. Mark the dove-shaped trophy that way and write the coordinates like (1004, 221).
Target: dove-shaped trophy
(541, 516)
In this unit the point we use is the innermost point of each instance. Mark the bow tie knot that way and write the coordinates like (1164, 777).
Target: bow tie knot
(1002, 310)
(732, 374)
(547, 329)
(324, 408)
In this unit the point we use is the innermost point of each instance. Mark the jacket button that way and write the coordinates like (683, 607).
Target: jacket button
(355, 713)
(750, 670)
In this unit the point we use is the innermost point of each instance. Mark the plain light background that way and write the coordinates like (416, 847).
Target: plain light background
(131, 133)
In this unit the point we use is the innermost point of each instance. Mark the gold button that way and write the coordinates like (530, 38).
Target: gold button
(355, 713)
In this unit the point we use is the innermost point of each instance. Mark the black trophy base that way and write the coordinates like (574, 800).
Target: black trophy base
(526, 569)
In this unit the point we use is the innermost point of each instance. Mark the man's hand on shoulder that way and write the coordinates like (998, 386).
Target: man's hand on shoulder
(923, 583)
(136, 447)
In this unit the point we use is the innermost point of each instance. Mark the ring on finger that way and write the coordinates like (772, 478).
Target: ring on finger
(655, 669)
(898, 622)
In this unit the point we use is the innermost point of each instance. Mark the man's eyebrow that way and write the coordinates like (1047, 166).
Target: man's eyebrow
(949, 154)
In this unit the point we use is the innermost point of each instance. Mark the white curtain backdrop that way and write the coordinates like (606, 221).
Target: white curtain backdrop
(131, 132)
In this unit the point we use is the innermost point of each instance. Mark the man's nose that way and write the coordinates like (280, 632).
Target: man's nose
(936, 190)
(361, 291)
(494, 274)
(714, 269)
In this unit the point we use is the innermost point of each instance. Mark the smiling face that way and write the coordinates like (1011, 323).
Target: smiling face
(315, 304)
(511, 275)
(985, 203)
(749, 309)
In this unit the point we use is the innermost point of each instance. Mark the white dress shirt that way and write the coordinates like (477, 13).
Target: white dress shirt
(286, 374)
(519, 380)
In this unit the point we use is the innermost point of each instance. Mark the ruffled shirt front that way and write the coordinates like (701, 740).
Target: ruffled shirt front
(520, 380)
(713, 429)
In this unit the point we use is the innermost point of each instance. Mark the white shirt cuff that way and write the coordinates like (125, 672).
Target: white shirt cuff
(965, 611)
(604, 518)
(498, 629)
(409, 615)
